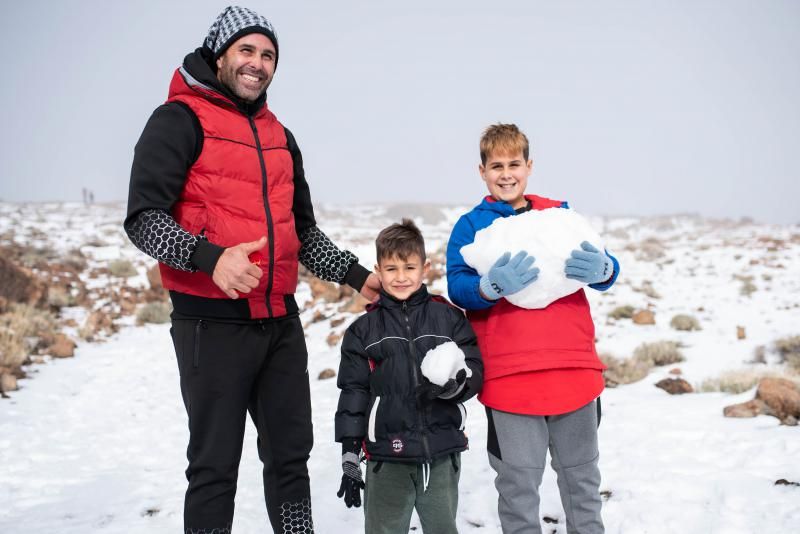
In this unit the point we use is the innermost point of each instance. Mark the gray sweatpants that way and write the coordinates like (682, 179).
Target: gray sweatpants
(517, 451)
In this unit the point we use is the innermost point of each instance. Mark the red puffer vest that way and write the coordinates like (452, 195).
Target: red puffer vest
(516, 340)
(240, 188)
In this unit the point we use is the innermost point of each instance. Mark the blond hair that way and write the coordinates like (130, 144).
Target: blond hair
(503, 139)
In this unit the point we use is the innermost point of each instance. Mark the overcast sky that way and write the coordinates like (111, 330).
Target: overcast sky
(637, 107)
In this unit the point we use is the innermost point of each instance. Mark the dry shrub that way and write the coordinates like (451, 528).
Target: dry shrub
(13, 351)
(22, 321)
(95, 242)
(122, 268)
(789, 350)
(648, 289)
(623, 371)
(748, 287)
(154, 312)
(736, 381)
(684, 322)
(622, 312)
(60, 297)
(760, 354)
(650, 250)
(35, 257)
(658, 353)
(31, 321)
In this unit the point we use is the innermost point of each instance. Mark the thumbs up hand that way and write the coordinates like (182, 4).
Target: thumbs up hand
(234, 272)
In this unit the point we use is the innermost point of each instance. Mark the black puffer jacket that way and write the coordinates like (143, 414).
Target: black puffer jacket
(380, 370)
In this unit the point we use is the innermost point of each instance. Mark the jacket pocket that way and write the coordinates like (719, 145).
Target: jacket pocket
(198, 328)
(373, 415)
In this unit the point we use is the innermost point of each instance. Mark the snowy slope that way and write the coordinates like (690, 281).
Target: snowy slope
(97, 443)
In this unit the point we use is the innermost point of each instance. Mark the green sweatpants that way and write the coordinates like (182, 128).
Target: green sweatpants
(392, 493)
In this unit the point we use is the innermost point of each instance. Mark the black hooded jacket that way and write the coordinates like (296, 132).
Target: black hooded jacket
(380, 370)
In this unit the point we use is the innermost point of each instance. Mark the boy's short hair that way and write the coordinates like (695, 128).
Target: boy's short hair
(400, 239)
(503, 139)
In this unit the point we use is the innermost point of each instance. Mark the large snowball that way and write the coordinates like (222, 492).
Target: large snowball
(549, 235)
(441, 363)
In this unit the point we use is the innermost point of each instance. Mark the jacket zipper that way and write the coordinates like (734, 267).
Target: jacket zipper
(270, 229)
(413, 361)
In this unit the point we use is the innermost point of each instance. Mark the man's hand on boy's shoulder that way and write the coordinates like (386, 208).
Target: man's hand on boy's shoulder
(509, 275)
(588, 265)
(371, 288)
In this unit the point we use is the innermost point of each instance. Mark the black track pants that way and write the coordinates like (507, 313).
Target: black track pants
(227, 370)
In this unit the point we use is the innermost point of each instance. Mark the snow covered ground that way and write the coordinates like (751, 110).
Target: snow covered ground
(96, 443)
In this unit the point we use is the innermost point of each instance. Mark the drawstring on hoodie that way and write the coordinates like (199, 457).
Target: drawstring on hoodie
(426, 476)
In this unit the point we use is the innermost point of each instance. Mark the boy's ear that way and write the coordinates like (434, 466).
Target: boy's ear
(426, 267)
(377, 269)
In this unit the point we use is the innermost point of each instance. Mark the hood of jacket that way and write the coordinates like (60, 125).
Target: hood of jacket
(505, 209)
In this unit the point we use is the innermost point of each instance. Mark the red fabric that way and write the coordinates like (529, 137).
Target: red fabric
(520, 345)
(537, 202)
(223, 197)
(550, 392)
(515, 340)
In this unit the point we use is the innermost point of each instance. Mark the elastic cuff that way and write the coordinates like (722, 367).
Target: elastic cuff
(356, 276)
(351, 445)
(602, 286)
(205, 256)
(487, 289)
(350, 457)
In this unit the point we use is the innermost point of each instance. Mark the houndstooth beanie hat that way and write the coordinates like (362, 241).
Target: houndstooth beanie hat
(233, 23)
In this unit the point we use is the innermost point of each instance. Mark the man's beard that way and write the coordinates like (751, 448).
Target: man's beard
(229, 79)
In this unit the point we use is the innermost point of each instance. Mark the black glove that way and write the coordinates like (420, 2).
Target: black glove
(352, 481)
(427, 390)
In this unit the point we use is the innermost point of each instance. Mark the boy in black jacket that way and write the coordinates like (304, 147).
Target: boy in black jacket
(407, 415)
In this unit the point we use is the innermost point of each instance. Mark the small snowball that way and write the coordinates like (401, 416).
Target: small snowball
(549, 235)
(441, 363)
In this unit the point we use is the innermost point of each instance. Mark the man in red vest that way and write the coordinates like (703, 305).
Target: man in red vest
(219, 197)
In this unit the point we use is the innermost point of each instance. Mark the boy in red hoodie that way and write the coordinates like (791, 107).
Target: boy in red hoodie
(542, 377)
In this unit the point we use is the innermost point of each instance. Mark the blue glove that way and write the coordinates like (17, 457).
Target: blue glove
(588, 265)
(507, 276)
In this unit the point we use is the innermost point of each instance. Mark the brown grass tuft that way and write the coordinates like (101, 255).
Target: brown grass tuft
(736, 381)
(658, 353)
(624, 371)
(685, 322)
(122, 268)
(622, 312)
(789, 350)
(154, 312)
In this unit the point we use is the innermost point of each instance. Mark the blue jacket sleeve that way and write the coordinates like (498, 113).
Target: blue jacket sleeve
(462, 280)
